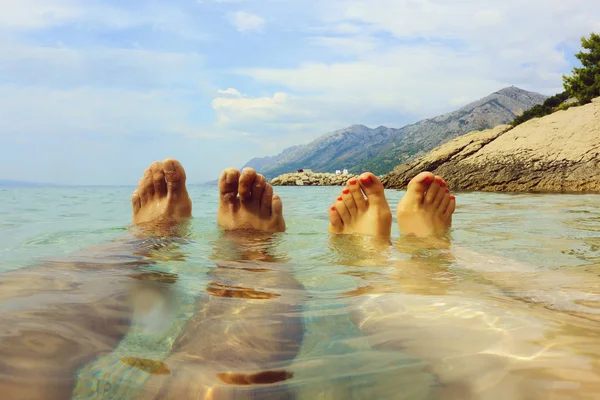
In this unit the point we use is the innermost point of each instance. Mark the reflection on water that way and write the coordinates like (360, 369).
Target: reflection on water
(509, 308)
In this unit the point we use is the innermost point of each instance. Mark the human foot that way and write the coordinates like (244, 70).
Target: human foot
(426, 208)
(161, 195)
(247, 202)
(352, 213)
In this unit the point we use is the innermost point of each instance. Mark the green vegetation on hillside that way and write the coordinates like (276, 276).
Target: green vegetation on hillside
(585, 82)
(540, 110)
(584, 85)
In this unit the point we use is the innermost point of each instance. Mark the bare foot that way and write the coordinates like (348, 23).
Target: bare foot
(161, 195)
(247, 202)
(352, 213)
(426, 208)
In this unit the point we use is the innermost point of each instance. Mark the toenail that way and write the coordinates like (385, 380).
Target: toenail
(352, 182)
(452, 197)
(230, 178)
(447, 190)
(333, 208)
(346, 191)
(169, 167)
(339, 199)
(367, 180)
(428, 179)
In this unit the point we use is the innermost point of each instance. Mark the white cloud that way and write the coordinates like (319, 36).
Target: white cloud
(25, 15)
(284, 119)
(422, 58)
(71, 112)
(56, 65)
(240, 109)
(230, 92)
(247, 22)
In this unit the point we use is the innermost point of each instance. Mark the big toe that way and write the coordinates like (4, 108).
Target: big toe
(373, 189)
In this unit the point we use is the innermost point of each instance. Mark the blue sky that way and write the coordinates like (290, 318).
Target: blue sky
(93, 91)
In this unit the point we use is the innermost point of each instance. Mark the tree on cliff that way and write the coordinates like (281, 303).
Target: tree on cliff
(585, 82)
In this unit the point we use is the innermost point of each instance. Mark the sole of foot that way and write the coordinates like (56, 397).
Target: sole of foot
(427, 207)
(361, 209)
(247, 202)
(161, 196)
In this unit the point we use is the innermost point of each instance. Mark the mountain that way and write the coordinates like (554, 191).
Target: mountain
(379, 150)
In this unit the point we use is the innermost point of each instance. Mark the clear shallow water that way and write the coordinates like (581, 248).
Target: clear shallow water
(509, 310)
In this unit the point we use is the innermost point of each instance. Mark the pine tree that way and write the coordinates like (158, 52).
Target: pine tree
(585, 82)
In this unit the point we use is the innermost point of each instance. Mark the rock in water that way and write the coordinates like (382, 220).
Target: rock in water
(556, 153)
(311, 179)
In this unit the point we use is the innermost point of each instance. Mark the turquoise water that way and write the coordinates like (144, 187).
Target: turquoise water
(508, 310)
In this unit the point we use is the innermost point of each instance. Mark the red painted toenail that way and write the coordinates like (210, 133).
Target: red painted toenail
(333, 208)
(366, 180)
(339, 199)
(452, 197)
(352, 182)
(346, 191)
(447, 190)
(428, 179)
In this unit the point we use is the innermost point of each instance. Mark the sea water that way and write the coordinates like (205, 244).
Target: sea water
(508, 308)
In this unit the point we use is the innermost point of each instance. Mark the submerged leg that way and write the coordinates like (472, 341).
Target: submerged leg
(61, 315)
(247, 328)
(484, 346)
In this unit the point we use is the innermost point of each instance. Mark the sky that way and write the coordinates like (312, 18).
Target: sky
(91, 92)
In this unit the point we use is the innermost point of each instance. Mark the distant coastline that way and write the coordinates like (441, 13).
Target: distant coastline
(11, 183)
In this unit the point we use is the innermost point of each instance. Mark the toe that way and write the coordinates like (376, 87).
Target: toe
(148, 185)
(158, 179)
(441, 210)
(277, 213)
(437, 185)
(359, 198)
(174, 175)
(258, 187)
(135, 202)
(348, 199)
(373, 189)
(343, 211)
(266, 201)
(228, 186)
(142, 191)
(419, 185)
(247, 179)
(440, 197)
(277, 206)
(451, 207)
(336, 225)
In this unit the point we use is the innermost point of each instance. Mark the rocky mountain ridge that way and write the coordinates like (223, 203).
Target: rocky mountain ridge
(360, 148)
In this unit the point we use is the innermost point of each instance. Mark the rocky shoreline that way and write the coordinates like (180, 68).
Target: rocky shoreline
(311, 179)
(558, 153)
